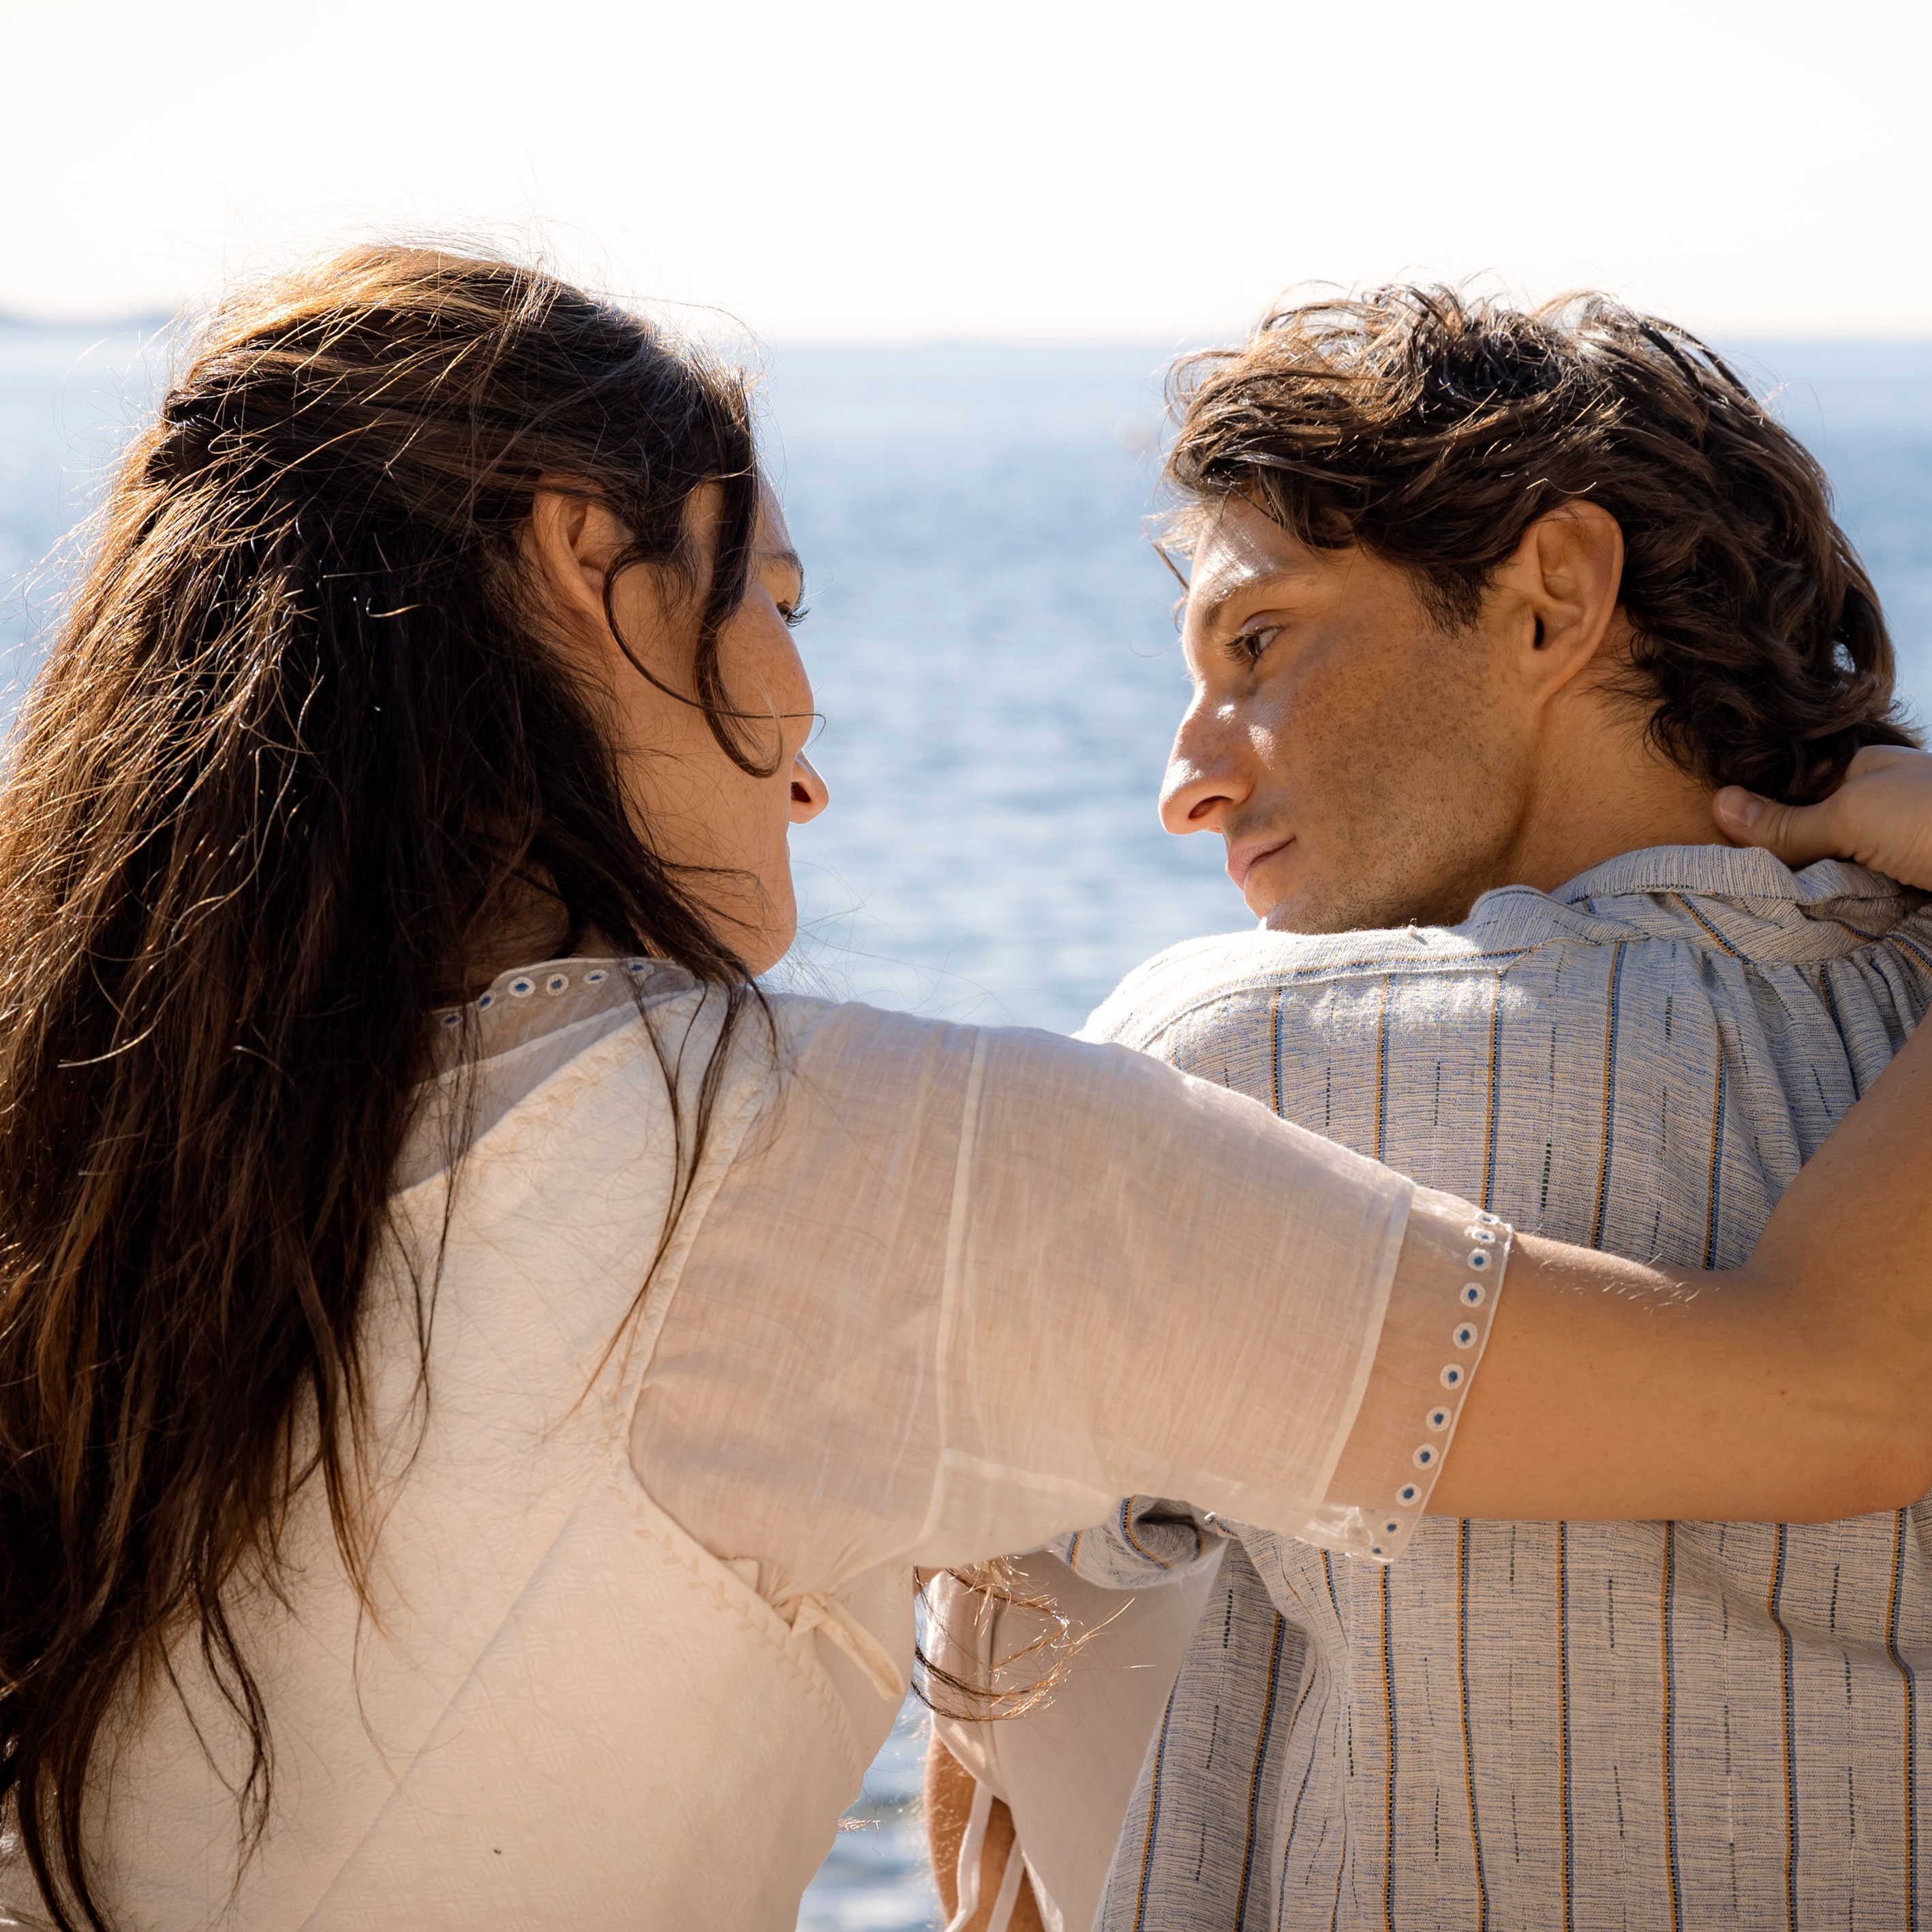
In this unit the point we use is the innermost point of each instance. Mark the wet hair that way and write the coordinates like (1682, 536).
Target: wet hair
(1432, 427)
(299, 744)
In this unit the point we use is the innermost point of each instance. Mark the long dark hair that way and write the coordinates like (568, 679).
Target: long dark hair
(298, 745)
(1433, 427)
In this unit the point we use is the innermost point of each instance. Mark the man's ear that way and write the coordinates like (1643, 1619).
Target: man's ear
(1565, 578)
(571, 542)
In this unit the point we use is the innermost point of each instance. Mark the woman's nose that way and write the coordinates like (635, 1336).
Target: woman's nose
(1202, 784)
(810, 794)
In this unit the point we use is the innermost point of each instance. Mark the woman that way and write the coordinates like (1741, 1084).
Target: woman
(476, 1376)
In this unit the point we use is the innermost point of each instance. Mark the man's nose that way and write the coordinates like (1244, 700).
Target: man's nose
(1204, 782)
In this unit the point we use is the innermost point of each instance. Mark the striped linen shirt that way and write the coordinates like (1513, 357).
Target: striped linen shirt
(1549, 1725)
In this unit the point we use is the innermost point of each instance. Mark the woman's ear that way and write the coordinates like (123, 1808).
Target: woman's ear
(1568, 570)
(572, 542)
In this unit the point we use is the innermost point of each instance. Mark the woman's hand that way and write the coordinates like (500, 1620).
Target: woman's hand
(1881, 817)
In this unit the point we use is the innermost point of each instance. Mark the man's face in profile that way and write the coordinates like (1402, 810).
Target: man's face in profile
(1347, 746)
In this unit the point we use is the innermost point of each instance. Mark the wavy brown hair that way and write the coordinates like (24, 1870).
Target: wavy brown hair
(298, 745)
(1432, 427)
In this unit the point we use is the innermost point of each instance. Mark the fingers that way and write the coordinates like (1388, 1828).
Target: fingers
(1880, 816)
(1798, 834)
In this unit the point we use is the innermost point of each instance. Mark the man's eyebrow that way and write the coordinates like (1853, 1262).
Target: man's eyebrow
(1205, 607)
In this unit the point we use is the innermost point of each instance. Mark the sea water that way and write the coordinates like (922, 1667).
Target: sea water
(992, 642)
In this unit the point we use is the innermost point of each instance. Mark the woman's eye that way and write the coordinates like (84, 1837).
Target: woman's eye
(794, 614)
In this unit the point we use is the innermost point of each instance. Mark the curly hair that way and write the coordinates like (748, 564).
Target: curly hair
(1432, 427)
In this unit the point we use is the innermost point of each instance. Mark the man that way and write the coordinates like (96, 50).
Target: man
(1484, 606)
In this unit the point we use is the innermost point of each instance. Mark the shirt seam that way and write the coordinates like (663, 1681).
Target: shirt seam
(951, 1293)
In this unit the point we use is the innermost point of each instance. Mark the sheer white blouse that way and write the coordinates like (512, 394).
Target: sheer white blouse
(641, 1604)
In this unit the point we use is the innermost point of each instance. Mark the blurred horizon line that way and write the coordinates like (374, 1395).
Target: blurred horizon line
(29, 322)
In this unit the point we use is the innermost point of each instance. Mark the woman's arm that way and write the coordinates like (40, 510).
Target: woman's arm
(1793, 1388)
(966, 1289)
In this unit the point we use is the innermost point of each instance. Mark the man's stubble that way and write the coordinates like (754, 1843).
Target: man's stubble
(1428, 794)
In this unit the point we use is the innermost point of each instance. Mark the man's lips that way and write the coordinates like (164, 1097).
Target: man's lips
(1245, 854)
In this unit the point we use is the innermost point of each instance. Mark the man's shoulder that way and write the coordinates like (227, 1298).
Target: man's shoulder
(1663, 903)
(1233, 969)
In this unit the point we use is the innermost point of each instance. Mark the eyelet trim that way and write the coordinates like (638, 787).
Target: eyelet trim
(1490, 1237)
(554, 983)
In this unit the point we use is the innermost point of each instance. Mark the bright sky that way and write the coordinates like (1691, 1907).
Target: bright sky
(1048, 169)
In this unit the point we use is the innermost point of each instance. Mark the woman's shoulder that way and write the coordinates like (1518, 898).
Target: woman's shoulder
(568, 1048)
(553, 1049)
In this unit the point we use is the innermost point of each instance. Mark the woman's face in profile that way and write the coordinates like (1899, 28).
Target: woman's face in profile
(695, 807)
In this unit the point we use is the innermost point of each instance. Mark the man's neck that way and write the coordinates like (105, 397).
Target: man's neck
(1601, 789)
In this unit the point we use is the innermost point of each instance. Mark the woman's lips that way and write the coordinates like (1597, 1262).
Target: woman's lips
(1245, 856)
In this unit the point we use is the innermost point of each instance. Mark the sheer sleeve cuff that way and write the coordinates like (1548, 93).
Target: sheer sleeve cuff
(1447, 1282)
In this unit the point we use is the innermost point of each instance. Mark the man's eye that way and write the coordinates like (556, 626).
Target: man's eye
(1248, 646)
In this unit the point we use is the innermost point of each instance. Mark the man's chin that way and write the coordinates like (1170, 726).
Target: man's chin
(1315, 912)
(1300, 914)
(1307, 909)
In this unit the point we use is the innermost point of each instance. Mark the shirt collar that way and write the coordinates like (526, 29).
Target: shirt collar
(1744, 901)
(1730, 871)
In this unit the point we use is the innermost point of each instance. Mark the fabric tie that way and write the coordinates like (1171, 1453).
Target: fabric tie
(817, 1611)
(972, 1847)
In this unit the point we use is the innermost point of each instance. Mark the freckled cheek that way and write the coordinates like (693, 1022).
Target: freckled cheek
(1343, 695)
(1320, 744)
(1292, 714)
